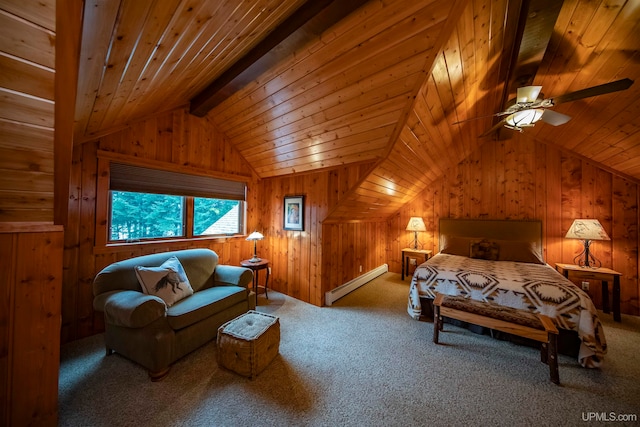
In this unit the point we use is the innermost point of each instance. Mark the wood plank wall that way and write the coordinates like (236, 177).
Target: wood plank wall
(508, 179)
(351, 249)
(522, 179)
(30, 245)
(27, 56)
(298, 267)
(174, 138)
(306, 264)
(31, 280)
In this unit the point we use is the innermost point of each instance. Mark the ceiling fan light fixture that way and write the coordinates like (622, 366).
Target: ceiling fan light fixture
(528, 109)
(524, 118)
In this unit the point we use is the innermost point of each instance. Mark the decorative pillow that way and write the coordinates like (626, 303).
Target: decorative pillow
(453, 245)
(484, 249)
(519, 252)
(168, 281)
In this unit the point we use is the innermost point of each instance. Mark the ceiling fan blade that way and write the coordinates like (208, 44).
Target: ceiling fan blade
(616, 86)
(494, 128)
(554, 118)
(528, 93)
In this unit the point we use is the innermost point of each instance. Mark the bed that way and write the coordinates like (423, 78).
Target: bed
(501, 261)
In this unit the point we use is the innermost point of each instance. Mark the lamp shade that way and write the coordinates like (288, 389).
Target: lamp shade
(416, 224)
(255, 236)
(587, 229)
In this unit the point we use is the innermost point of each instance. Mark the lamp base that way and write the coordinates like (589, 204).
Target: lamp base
(585, 259)
(255, 259)
(415, 240)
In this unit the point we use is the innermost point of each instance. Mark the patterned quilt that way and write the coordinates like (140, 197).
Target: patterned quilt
(537, 288)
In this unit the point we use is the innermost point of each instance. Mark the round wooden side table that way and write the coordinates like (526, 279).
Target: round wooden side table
(263, 264)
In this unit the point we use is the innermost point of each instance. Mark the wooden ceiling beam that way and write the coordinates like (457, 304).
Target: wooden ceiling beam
(529, 28)
(539, 18)
(306, 23)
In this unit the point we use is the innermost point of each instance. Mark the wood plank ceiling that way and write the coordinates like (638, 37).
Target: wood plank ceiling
(384, 84)
(139, 55)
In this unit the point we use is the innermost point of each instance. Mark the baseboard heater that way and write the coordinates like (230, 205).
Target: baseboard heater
(337, 293)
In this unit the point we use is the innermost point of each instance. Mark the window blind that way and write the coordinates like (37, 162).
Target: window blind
(139, 179)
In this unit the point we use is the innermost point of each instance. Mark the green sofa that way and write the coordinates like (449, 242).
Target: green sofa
(144, 329)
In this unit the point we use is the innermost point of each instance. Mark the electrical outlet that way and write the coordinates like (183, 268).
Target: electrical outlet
(585, 286)
(269, 270)
(413, 261)
(360, 269)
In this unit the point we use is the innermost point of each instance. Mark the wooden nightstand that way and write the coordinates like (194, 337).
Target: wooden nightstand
(606, 275)
(417, 253)
(263, 264)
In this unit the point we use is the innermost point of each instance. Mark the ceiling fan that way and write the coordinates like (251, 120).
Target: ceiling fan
(528, 109)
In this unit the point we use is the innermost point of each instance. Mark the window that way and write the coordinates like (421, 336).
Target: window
(155, 204)
(216, 216)
(136, 216)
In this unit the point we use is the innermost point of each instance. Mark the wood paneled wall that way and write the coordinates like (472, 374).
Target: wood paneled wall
(306, 264)
(176, 139)
(27, 60)
(351, 249)
(31, 282)
(522, 179)
(30, 245)
(508, 179)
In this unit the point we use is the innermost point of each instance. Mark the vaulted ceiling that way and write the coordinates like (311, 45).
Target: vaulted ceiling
(388, 83)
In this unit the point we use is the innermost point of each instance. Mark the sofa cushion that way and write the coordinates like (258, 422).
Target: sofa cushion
(168, 281)
(203, 304)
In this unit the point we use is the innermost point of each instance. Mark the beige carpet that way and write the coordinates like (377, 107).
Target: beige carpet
(361, 362)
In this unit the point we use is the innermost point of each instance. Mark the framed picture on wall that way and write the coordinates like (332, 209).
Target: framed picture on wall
(294, 213)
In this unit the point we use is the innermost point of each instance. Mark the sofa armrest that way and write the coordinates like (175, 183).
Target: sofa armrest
(231, 275)
(132, 309)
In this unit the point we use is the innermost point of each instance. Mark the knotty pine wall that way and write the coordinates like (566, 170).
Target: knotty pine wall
(508, 179)
(30, 243)
(27, 60)
(173, 138)
(31, 279)
(306, 264)
(522, 179)
(177, 138)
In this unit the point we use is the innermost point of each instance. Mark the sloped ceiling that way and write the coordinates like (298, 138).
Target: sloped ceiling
(385, 84)
(141, 57)
(340, 98)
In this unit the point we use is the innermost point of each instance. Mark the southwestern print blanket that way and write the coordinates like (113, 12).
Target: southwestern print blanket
(537, 288)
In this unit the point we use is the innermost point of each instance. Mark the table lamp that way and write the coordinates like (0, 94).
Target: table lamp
(416, 224)
(587, 230)
(255, 236)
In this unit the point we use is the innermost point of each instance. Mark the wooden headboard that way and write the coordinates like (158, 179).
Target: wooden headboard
(519, 230)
